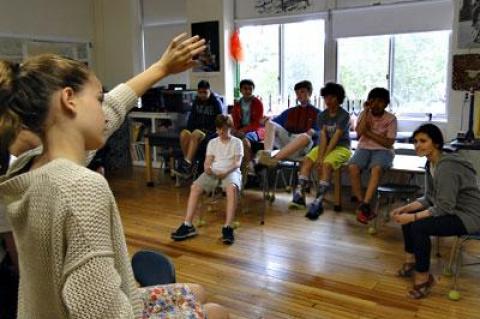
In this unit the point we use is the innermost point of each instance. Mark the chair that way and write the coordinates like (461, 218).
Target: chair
(456, 262)
(392, 191)
(152, 268)
(212, 198)
(291, 165)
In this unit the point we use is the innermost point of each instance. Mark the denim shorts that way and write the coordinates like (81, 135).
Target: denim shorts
(365, 158)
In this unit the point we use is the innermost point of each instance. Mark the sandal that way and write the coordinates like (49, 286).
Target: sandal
(422, 290)
(407, 270)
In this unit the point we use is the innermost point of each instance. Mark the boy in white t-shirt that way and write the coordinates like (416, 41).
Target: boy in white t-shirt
(221, 168)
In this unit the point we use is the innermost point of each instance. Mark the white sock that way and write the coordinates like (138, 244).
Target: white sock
(189, 224)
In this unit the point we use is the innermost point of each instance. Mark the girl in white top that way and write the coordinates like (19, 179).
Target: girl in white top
(72, 253)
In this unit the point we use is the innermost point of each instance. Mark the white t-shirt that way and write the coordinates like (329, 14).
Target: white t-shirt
(224, 153)
(4, 224)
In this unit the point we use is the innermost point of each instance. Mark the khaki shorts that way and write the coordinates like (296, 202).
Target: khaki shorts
(208, 182)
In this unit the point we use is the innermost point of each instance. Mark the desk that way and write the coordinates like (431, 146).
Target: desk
(399, 148)
(400, 137)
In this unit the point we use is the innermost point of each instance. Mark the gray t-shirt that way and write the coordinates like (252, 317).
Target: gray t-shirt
(341, 120)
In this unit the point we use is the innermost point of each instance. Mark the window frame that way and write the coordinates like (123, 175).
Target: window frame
(390, 75)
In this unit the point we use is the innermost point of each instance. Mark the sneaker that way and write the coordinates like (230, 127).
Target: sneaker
(267, 159)
(183, 232)
(364, 213)
(184, 169)
(227, 235)
(298, 201)
(315, 210)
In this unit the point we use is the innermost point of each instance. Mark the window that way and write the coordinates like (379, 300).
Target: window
(261, 50)
(279, 55)
(412, 66)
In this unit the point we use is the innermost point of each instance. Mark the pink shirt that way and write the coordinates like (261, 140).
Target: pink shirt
(385, 125)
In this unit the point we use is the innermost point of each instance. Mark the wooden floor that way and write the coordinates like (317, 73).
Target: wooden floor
(290, 267)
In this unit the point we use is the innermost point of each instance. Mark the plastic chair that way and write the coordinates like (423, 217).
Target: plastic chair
(152, 268)
(456, 263)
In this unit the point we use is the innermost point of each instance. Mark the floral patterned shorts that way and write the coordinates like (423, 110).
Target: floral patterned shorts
(172, 301)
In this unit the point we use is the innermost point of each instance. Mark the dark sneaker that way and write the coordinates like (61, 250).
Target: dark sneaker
(315, 210)
(183, 232)
(227, 235)
(184, 169)
(298, 201)
(365, 213)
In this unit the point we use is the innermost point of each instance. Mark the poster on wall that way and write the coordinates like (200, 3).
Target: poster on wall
(281, 6)
(469, 24)
(466, 72)
(209, 60)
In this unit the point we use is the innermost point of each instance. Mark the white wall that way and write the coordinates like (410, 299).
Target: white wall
(70, 20)
(164, 11)
(157, 38)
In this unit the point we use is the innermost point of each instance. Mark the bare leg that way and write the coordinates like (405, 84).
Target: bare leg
(195, 140)
(185, 136)
(195, 193)
(421, 277)
(231, 203)
(307, 166)
(409, 258)
(355, 178)
(326, 172)
(300, 142)
(375, 175)
(247, 150)
(269, 136)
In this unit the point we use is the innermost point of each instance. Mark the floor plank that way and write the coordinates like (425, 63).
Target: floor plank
(290, 267)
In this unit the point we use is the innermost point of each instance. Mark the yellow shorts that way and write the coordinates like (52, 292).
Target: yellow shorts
(336, 158)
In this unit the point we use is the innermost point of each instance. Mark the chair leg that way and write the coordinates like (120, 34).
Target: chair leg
(148, 162)
(337, 190)
(373, 230)
(453, 256)
(458, 263)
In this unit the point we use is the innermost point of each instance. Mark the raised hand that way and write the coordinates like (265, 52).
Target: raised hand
(179, 54)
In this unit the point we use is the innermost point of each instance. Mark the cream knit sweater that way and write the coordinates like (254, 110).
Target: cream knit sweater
(73, 256)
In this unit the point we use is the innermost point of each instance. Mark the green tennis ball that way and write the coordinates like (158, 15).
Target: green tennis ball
(454, 295)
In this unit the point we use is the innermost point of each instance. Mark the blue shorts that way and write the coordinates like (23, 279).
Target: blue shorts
(364, 158)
